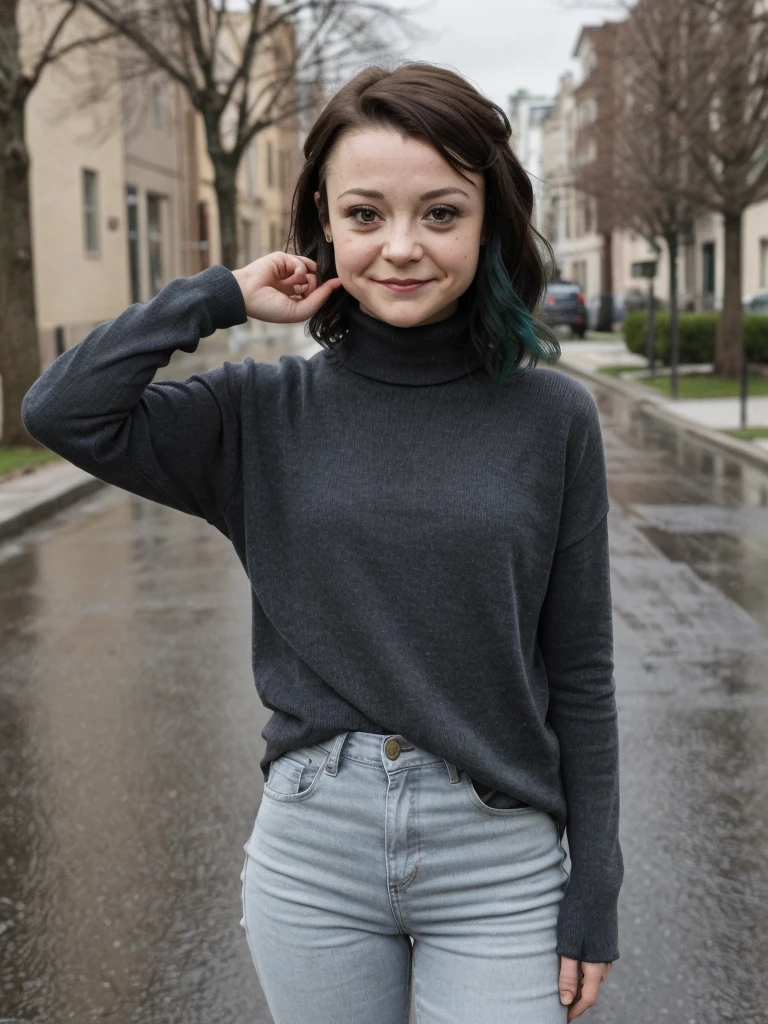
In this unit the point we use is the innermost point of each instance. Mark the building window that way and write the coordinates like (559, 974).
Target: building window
(553, 219)
(588, 210)
(272, 237)
(579, 273)
(567, 203)
(132, 218)
(270, 168)
(155, 210)
(202, 234)
(247, 234)
(282, 174)
(708, 274)
(91, 210)
(764, 262)
(250, 169)
(158, 104)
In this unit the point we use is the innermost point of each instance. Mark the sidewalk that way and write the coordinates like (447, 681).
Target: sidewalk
(30, 497)
(714, 413)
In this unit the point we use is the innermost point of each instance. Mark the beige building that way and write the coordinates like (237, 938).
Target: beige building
(77, 183)
(122, 194)
(568, 216)
(527, 116)
(160, 185)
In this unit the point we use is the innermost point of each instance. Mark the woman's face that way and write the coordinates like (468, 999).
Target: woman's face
(399, 212)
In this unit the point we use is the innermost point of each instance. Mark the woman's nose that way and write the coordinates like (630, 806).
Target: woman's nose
(401, 243)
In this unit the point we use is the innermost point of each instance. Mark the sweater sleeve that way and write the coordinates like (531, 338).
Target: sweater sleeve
(576, 641)
(175, 442)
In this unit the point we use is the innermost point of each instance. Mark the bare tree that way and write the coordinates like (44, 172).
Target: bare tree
(720, 115)
(655, 171)
(594, 152)
(725, 112)
(251, 67)
(24, 58)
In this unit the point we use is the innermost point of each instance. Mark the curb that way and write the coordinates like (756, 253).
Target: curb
(658, 407)
(76, 485)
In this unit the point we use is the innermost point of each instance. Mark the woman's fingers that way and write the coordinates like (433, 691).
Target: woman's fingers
(588, 989)
(283, 287)
(306, 306)
(288, 265)
(298, 284)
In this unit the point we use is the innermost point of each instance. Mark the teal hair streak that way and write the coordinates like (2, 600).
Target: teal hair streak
(503, 328)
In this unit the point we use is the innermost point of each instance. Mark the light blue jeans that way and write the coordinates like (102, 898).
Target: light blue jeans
(373, 860)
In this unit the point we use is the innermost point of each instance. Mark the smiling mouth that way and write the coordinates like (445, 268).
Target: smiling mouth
(404, 286)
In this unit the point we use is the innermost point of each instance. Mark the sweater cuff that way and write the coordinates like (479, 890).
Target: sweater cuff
(588, 933)
(223, 296)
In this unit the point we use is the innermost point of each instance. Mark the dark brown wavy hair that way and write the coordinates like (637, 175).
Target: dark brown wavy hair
(441, 107)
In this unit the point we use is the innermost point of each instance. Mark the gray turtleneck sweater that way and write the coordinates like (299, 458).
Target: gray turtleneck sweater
(427, 549)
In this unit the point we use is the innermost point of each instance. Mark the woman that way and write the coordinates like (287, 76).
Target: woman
(423, 519)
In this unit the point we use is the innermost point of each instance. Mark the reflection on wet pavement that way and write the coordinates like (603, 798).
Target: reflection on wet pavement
(130, 740)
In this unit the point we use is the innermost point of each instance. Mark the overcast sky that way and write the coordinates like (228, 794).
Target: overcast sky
(504, 45)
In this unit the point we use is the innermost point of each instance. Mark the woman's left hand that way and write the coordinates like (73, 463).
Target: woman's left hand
(581, 980)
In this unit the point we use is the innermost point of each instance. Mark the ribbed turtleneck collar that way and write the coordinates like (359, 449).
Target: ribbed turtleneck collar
(429, 354)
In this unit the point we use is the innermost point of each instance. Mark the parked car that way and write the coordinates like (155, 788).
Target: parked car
(755, 302)
(593, 309)
(564, 306)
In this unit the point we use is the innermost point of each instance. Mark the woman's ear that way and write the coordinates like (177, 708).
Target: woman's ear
(318, 201)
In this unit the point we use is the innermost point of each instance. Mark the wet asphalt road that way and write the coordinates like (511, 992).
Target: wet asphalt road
(130, 741)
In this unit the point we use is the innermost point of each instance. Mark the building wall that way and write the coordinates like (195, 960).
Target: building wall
(527, 115)
(568, 216)
(75, 288)
(755, 251)
(159, 176)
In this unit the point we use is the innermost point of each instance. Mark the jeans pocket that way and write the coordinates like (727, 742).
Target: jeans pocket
(475, 799)
(296, 775)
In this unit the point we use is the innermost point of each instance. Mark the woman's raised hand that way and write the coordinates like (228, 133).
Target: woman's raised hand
(282, 289)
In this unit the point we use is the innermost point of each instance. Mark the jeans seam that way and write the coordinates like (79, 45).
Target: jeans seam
(415, 987)
(245, 918)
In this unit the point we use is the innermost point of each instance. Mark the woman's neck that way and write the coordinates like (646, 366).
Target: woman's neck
(430, 353)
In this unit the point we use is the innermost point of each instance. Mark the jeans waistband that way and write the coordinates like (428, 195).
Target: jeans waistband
(392, 751)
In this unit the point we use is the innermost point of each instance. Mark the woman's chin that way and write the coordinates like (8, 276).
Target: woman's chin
(407, 312)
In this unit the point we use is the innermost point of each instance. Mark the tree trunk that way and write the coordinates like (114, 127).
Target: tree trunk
(674, 320)
(729, 340)
(605, 313)
(226, 195)
(19, 351)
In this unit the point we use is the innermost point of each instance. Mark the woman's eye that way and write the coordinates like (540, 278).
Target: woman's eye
(362, 209)
(448, 213)
(367, 214)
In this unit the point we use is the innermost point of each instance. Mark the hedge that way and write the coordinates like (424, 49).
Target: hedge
(697, 336)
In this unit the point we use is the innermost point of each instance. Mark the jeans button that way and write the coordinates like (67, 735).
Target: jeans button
(392, 750)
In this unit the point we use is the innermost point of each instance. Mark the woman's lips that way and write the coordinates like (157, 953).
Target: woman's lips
(403, 287)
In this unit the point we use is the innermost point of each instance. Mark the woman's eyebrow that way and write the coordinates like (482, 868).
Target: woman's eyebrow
(370, 193)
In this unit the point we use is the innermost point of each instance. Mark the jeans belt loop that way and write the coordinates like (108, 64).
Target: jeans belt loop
(333, 761)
